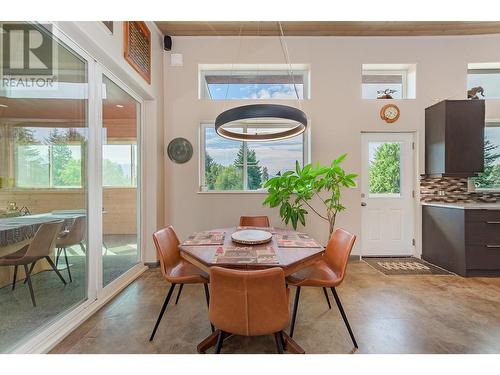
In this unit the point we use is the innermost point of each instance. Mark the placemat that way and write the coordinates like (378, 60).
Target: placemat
(295, 239)
(205, 238)
(245, 255)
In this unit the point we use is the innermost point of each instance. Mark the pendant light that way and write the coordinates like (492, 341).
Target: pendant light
(296, 118)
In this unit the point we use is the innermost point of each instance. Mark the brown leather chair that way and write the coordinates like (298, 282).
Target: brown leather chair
(74, 236)
(175, 269)
(40, 247)
(254, 221)
(329, 271)
(249, 303)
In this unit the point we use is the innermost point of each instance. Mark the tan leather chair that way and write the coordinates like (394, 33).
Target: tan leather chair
(254, 221)
(249, 303)
(175, 269)
(40, 247)
(74, 236)
(329, 271)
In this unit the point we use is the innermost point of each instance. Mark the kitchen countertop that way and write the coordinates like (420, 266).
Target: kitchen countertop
(465, 206)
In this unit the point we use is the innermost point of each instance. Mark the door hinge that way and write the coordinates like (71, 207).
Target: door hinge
(413, 193)
(413, 242)
(413, 145)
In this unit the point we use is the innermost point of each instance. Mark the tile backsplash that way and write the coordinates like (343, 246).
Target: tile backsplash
(452, 190)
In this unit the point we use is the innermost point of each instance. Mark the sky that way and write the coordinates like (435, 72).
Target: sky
(222, 91)
(489, 82)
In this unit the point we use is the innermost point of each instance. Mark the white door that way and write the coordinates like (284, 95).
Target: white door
(387, 196)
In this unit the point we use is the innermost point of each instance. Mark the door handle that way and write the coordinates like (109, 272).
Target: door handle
(363, 204)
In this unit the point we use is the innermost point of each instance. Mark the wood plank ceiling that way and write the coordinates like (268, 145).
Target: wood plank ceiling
(327, 28)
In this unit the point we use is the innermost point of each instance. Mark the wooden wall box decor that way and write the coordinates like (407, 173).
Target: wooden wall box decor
(137, 47)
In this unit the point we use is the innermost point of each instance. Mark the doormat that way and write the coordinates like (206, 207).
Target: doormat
(404, 266)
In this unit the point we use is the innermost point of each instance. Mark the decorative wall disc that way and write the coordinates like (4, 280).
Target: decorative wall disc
(180, 150)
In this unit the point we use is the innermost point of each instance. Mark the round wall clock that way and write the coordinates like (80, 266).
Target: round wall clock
(390, 113)
(180, 150)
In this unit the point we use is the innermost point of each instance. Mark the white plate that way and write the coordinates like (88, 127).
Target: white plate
(251, 236)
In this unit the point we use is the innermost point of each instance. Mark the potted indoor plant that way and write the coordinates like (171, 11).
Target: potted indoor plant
(295, 193)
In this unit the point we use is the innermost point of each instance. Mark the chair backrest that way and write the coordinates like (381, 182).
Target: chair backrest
(167, 247)
(248, 303)
(77, 231)
(254, 221)
(44, 240)
(338, 250)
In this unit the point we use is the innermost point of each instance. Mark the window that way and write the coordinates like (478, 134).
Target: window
(48, 157)
(388, 81)
(240, 82)
(384, 172)
(119, 165)
(490, 179)
(233, 165)
(483, 80)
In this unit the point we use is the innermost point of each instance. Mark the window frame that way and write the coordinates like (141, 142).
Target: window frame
(396, 72)
(259, 69)
(306, 157)
(471, 184)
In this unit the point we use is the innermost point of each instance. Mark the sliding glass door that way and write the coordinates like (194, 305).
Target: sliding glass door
(43, 180)
(121, 114)
(69, 169)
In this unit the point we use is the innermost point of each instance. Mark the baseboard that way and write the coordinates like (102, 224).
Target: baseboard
(152, 264)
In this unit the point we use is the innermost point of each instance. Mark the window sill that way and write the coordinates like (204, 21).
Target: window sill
(233, 192)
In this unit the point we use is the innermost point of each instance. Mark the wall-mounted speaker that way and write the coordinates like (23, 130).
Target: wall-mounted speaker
(167, 43)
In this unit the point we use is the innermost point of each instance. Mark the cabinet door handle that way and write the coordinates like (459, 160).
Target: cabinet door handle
(493, 222)
(493, 246)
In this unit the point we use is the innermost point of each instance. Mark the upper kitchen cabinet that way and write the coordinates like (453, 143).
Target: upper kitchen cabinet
(454, 138)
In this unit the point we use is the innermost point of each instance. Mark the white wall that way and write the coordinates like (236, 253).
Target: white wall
(337, 113)
(107, 49)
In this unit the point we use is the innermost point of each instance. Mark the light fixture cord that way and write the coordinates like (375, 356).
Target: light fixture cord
(237, 59)
(287, 60)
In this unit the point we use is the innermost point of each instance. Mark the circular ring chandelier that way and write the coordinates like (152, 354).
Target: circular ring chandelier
(225, 121)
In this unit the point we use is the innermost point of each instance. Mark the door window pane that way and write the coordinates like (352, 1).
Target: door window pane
(43, 137)
(121, 116)
(385, 169)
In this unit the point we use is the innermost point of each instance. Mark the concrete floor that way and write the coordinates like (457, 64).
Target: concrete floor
(388, 314)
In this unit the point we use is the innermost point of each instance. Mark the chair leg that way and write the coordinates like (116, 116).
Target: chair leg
(28, 277)
(207, 297)
(220, 340)
(179, 293)
(169, 294)
(67, 265)
(55, 269)
(341, 309)
(58, 255)
(279, 343)
(295, 307)
(14, 278)
(327, 299)
(30, 270)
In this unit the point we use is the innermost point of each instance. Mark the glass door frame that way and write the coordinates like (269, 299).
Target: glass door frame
(117, 284)
(97, 295)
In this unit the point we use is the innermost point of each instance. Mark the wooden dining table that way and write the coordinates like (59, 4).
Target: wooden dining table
(290, 259)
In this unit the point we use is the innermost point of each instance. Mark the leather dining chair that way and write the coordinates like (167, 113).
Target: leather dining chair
(39, 248)
(328, 272)
(249, 303)
(175, 270)
(74, 236)
(254, 221)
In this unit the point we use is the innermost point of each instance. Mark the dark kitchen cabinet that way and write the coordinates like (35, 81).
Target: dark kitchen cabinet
(466, 242)
(454, 138)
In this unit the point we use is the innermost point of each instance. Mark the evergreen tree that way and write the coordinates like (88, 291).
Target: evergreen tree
(253, 168)
(229, 178)
(385, 169)
(265, 175)
(491, 176)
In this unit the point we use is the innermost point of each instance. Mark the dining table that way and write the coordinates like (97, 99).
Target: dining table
(290, 251)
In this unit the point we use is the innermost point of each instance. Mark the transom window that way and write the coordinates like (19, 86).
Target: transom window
(250, 82)
(228, 165)
(490, 179)
(483, 80)
(388, 81)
